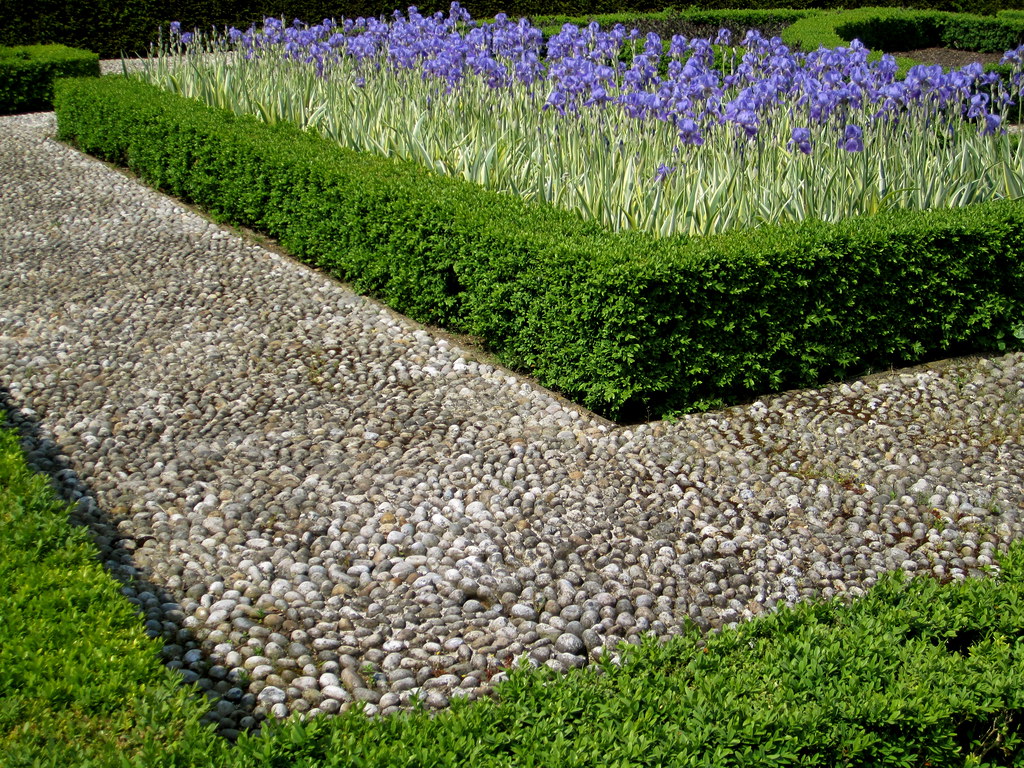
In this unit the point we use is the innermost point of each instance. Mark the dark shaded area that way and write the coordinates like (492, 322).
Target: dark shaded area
(962, 642)
(45, 456)
(111, 28)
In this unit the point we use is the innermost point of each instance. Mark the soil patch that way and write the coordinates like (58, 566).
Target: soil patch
(665, 28)
(949, 57)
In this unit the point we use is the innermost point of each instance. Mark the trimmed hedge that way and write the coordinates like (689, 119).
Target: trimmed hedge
(627, 324)
(109, 28)
(27, 74)
(668, 22)
(886, 29)
(112, 27)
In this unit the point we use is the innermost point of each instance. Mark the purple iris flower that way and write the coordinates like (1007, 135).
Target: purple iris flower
(598, 96)
(584, 68)
(663, 172)
(679, 46)
(801, 140)
(977, 107)
(853, 139)
(992, 123)
(555, 99)
(1015, 56)
(689, 132)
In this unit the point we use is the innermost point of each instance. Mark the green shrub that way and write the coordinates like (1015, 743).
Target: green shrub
(27, 74)
(627, 324)
(106, 27)
(887, 29)
(732, 19)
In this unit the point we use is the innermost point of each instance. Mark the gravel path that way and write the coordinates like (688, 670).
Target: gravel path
(316, 503)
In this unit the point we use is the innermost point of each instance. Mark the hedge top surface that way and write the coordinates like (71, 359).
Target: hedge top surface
(39, 53)
(879, 27)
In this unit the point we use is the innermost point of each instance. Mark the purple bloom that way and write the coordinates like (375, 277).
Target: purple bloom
(831, 92)
(801, 140)
(1015, 56)
(597, 96)
(555, 99)
(853, 139)
(652, 44)
(680, 45)
(663, 172)
(992, 123)
(747, 120)
(689, 133)
(977, 107)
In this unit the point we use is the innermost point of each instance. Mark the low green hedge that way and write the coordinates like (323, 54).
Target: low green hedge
(887, 29)
(629, 325)
(27, 74)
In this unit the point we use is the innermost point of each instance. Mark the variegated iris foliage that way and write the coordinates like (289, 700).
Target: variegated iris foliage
(700, 138)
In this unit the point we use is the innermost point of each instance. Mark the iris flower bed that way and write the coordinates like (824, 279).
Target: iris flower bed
(689, 137)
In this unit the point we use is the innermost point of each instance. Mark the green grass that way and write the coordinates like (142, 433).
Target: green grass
(914, 674)
(80, 682)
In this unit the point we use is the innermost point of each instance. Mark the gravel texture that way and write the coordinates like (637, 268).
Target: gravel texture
(316, 503)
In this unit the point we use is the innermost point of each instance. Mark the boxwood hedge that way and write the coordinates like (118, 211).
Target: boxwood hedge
(27, 74)
(888, 29)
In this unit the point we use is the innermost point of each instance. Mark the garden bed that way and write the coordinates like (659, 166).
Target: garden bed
(948, 57)
(629, 324)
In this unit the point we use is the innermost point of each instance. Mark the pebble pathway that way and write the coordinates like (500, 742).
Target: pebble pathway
(314, 502)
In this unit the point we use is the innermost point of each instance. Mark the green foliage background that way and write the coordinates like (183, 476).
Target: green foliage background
(113, 27)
